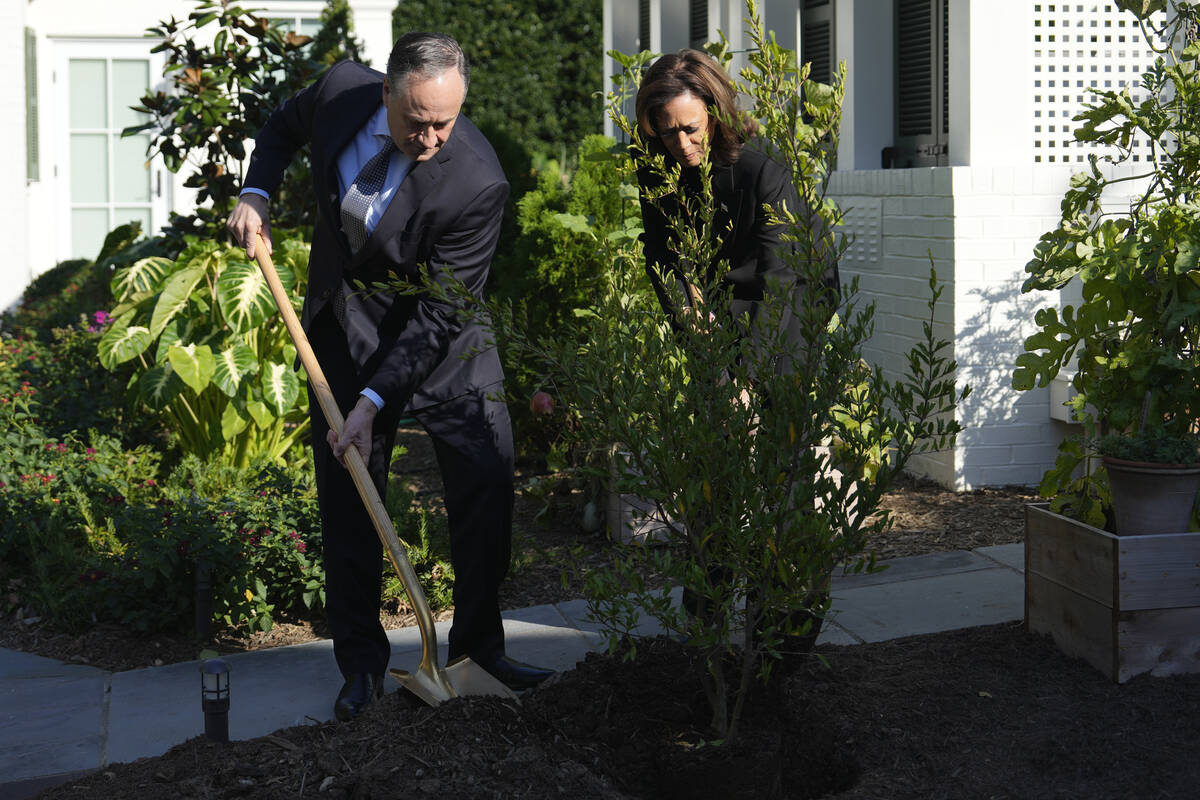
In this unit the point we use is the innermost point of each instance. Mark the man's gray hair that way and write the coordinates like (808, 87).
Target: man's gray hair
(426, 55)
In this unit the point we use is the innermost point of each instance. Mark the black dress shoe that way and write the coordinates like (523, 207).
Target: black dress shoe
(514, 674)
(357, 693)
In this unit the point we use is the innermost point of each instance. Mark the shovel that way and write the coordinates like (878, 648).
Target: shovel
(431, 683)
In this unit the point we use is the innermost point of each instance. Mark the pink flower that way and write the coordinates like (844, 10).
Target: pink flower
(301, 547)
(102, 317)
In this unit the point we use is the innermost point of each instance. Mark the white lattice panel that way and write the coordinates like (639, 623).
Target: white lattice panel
(1079, 48)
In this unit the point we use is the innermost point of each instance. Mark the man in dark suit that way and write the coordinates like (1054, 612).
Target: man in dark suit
(404, 184)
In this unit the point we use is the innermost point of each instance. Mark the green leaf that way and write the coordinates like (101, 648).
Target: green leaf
(175, 295)
(193, 363)
(146, 275)
(232, 422)
(158, 386)
(260, 413)
(280, 387)
(122, 341)
(232, 365)
(180, 330)
(244, 298)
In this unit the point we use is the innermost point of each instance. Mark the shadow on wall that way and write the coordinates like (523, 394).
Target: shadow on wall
(1010, 437)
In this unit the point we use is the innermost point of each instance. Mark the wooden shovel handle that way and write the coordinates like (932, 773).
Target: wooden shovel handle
(354, 460)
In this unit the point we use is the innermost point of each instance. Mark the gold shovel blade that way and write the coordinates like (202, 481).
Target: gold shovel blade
(462, 677)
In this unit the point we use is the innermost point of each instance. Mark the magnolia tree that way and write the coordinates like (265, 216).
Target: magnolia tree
(768, 462)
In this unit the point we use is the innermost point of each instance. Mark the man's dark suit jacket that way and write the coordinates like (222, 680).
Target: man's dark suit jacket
(752, 247)
(445, 215)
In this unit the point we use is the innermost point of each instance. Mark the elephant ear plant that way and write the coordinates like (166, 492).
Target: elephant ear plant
(1134, 340)
(216, 362)
(767, 497)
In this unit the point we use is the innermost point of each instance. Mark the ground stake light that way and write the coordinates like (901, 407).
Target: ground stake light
(214, 698)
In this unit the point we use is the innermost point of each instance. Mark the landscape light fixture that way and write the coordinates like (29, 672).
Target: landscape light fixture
(214, 698)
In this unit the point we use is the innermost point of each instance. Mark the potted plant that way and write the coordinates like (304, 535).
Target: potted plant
(1134, 340)
(1154, 476)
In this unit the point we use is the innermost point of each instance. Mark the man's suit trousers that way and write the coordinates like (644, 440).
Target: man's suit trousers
(472, 437)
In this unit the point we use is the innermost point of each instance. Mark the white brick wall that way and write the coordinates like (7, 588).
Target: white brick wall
(981, 224)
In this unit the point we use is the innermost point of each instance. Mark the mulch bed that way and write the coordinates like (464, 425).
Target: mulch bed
(990, 712)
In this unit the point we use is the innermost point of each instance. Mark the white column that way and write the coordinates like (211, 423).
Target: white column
(15, 270)
(991, 84)
(373, 27)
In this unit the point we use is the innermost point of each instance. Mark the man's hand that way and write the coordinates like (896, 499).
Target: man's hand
(250, 218)
(356, 432)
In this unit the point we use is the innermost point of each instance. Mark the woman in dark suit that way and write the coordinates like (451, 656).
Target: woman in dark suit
(687, 114)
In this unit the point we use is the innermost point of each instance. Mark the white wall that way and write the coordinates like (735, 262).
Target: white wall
(15, 273)
(980, 224)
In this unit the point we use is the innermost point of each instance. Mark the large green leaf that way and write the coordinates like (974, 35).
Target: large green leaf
(245, 300)
(175, 294)
(232, 421)
(146, 275)
(280, 387)
(181, 330)
(159, 385)
(193, 363)
(261, 414)
(122, 341)
(232, 365)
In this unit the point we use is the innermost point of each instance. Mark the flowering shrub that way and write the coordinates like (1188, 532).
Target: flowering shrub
(92, 532)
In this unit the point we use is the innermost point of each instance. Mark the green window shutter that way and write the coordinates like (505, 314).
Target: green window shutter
(32, 156)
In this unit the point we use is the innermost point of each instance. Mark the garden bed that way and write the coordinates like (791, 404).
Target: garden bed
(552, 554)
(982, 712)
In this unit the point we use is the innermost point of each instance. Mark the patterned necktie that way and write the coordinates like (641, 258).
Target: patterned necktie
(362, 193)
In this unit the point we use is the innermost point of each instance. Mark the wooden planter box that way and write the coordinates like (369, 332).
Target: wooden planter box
(1128, 605)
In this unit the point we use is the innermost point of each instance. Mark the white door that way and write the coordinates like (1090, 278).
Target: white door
(103, 179)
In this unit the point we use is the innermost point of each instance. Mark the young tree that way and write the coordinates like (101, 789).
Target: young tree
(768, 462)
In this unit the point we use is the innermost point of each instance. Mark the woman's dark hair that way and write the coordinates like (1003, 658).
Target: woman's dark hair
(698, 74)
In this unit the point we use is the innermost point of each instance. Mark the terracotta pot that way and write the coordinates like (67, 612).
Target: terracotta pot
(1151, 498)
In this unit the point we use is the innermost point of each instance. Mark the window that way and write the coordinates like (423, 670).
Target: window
(305, 26)
(922, 84)
(816, 38)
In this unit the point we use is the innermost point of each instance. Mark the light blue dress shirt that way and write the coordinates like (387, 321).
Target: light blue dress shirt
(361, 149)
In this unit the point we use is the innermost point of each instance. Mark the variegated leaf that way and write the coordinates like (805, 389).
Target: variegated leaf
(279, 387)
(193, 363)
(245, 300)
(232, 365)
(175, 294)
(122, 341)
(158, 385)
(180, 330)
(146, 275)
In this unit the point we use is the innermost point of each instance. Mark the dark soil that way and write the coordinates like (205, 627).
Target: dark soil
(989, 712)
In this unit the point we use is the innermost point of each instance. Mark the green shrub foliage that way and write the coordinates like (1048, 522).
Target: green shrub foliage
(769, 460)
(535, 70)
